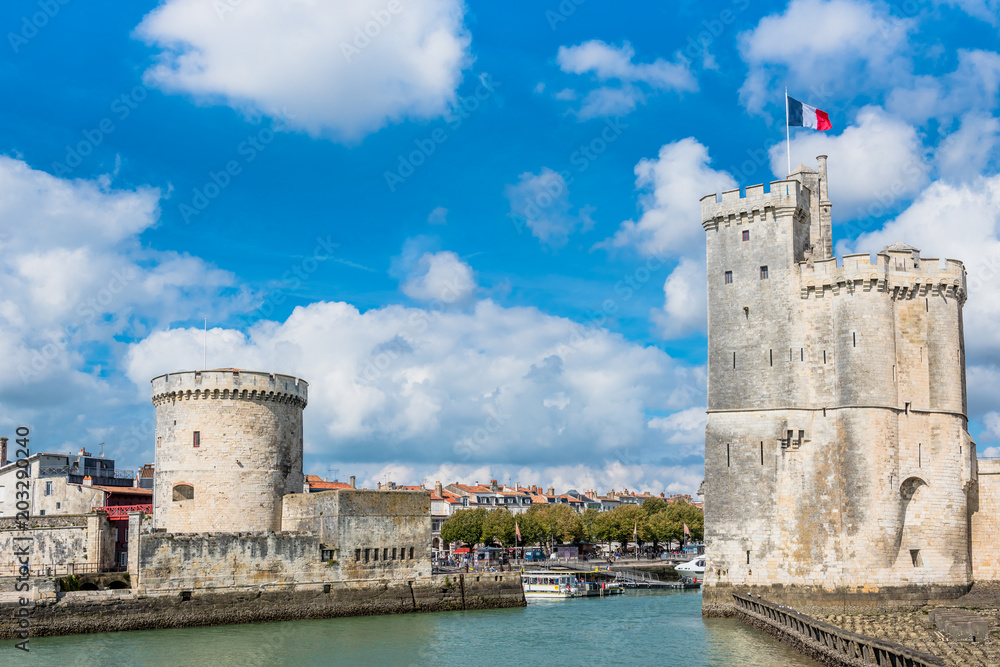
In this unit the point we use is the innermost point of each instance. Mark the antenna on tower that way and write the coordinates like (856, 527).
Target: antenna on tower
(102, 449)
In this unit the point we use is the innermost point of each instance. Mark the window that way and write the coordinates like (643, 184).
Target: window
(59, 505)
(327, 554)
(367, 554)
(197, 438)
(411, 553)
(385, 554)
(375, 554)
(394, 553)
(763, 273)
(729, 277)
(746, 234)
(357, 554)
(183, 492)
(48, 488)
(42, 513)
(3, 493)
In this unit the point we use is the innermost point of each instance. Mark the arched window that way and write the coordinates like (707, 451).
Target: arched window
(183, 492)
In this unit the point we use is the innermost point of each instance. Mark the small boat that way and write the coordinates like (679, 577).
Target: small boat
(555, 584)
(694, 568)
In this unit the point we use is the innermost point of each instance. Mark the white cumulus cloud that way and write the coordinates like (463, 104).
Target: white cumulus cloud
(861, 186)
(614, 64)
(336, 69)
(441, 277)
(822, 48)
(670, 188)
(541, 203)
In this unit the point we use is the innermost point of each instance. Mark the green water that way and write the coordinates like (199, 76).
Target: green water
(638, 628)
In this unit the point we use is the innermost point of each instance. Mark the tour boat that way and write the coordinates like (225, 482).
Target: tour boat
(554, 584)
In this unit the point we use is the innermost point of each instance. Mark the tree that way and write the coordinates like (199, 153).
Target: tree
(465, 526)
(651, 506)
(498, 526)
(589, 523)
(555, 522)
(531, 532)
(621, 522)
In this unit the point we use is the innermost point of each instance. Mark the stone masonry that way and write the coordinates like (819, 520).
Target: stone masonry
(228, 447)
(985, 508)
(837, 461)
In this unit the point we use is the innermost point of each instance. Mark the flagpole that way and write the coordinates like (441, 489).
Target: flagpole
(788, 134)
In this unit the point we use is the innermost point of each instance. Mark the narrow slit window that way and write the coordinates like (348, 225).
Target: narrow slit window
(729, 277)
(411, 553)
(367, 554)
(770, 354)
(855, 337)
(920, 456)
(927, 305)
(762, 452)
(748, 556)
(824, 356)
(394, 553)
(385, 554)
(734, 360)
(802, 354)
(727, 454)
(196, 440)
(763, 273)
(746, 234)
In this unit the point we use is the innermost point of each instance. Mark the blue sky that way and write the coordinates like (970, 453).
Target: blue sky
(474, 230)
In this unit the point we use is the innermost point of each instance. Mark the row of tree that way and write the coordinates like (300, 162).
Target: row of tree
(655, 521)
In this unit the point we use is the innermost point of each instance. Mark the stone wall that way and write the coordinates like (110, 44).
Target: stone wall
(836, 451)
(985, 511)
(248, 453)
(113, 611)
(56, 541)
(331, 536)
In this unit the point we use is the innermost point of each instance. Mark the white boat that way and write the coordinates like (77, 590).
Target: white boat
(694, 568)
(544, 584)
(549, 584)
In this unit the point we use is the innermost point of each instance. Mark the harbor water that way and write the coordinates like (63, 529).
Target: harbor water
(637, 628)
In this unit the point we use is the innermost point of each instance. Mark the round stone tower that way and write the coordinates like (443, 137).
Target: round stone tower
(228, 447)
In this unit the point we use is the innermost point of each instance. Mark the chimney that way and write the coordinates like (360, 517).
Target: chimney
(493, 486)
(88, 480)
(352, 482)
(552, 491)
(438, 489)
(3, 451)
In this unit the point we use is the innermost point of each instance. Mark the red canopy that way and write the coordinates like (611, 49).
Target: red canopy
(463, 550)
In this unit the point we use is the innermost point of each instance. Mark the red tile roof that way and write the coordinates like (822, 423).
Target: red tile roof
(329, 485)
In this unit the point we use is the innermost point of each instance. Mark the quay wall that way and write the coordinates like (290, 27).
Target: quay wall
(114, 611)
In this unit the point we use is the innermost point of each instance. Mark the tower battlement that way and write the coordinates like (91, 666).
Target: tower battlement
(734, 207)
(900, 274)
(230, 384)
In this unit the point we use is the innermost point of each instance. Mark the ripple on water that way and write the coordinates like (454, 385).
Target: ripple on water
(639, 627)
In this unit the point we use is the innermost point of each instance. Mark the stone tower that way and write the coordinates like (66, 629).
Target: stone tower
(228, 447)
(837, 462)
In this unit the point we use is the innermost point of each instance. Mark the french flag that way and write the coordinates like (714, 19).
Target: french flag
(803, 115)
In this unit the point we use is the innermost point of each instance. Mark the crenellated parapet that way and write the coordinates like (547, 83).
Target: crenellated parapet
(230, 384)
(900, 274)
(755, 205)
